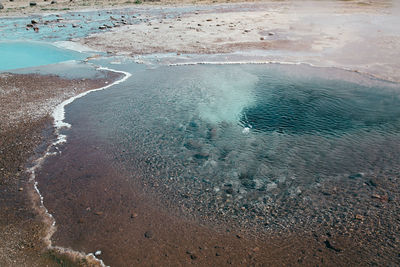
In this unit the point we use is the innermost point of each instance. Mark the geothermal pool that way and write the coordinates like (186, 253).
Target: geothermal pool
(25, 54)
(238, 141)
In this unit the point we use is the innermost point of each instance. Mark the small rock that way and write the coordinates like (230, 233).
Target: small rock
(359, 217)
(247, 30)
(1, 6)
(36, 29)
(102, 27)
(201, 155)
(271, 33)
(20, 189)
(148, 234)
(74, 26)
(98, 213)
(97, 253)
(262, 38)
(34, 21)
(376, 196)
(53, 2)
(81, 221)
(32, 4)
(329, 245)
(191, 144)
(354, 176)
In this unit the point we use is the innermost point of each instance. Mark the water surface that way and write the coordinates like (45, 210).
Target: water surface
(234, 139)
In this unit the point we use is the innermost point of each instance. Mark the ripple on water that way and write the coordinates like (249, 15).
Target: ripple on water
(182, 128)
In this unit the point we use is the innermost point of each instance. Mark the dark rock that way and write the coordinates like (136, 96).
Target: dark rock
(212, 134)
(229, 191)
(32, 4)
(354, 176)
(192, 256)
(148, 234)
(202, 155)
(102, 27)
(53, 2)
(372, 182)
(329, 245)
(191, 144)
(193, 124)
(29, 25)
(34, 21)
(1, 6)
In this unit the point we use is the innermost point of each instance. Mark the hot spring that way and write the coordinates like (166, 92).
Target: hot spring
(234, 139)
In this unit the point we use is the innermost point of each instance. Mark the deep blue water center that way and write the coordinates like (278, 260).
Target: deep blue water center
(319, 106)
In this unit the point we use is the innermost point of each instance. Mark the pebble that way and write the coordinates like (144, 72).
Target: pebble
(20, 189)
(148, 234)
(97, 253)
(359, 217)
(32, 4)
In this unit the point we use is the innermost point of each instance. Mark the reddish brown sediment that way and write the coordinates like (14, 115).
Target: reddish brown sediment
(99, 206)
(25, 131)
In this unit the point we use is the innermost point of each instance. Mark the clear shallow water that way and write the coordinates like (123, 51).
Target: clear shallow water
(16, 55)
(184, 130)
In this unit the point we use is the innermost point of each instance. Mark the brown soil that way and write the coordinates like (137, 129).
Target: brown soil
(24, 137)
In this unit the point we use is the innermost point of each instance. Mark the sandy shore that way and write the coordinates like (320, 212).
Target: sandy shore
(25, 130)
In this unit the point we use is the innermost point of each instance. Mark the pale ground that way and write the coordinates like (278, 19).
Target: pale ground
(355, 35)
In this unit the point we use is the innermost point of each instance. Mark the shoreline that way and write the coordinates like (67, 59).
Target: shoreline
(25, 194)
(58, 116)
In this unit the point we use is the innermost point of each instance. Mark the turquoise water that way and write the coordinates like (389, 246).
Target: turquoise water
(16, 55)
(59, 27)
(253, 136)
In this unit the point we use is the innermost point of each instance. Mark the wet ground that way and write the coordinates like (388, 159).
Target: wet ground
(153, 158)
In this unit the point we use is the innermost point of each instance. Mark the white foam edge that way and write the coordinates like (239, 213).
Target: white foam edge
(59, 116)
(59, 111)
